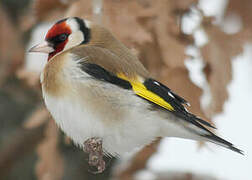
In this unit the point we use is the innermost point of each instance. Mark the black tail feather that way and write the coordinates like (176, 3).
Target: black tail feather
(222, 142)
(205, 122)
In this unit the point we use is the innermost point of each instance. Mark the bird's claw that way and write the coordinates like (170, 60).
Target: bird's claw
(93, 146)
(100, 167)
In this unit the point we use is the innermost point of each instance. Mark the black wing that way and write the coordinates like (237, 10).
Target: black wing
(175, 100)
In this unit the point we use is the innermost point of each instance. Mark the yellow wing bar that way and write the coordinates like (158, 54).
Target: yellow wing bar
(142, 91)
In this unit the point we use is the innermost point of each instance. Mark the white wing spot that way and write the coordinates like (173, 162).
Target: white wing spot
(170, 94)
(186, 109)
(188, 104)
(155, 82)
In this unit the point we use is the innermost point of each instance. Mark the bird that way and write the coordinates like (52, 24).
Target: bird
(94, 86)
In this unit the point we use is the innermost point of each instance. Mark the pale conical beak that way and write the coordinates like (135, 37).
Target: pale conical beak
(44, 47)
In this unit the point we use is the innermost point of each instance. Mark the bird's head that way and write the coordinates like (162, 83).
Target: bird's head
(63, 35)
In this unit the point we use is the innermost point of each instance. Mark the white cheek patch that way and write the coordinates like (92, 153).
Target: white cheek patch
(74, 39)
(73, 24)
(87, 23)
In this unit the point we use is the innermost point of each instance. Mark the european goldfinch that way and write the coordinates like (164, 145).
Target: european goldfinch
(95, 87)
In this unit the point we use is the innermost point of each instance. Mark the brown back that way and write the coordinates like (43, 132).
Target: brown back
(111, 54)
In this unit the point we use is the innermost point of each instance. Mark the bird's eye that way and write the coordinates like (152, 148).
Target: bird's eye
(58, 39)
(62, 37)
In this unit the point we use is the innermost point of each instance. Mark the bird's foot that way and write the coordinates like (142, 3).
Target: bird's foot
(93, 146)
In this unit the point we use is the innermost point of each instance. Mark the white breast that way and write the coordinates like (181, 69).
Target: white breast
(120, 135)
